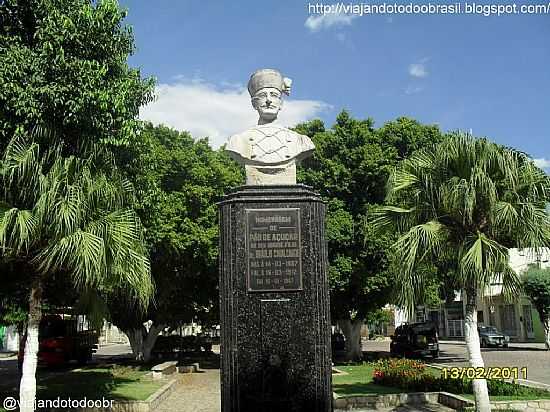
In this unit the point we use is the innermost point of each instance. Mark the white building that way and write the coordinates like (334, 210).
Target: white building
(518, 318)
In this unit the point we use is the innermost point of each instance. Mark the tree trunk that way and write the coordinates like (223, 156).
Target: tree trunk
(150, 340)
(27, 388)
(143, 340)
(546, 322)
(481, 392)
(352, 332)
(135, 336)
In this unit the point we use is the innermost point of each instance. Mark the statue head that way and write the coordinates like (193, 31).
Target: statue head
(266, 87)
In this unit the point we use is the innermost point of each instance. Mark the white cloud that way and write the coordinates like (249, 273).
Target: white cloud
(324, 21)
(206, 110)
(418, 70)
(542, 163)
(413, 89)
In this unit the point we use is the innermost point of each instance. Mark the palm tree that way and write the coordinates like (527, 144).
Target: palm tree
(465, 201)
(57, 216)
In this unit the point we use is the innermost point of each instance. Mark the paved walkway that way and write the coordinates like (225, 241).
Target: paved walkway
(200, 392)
(196, 392)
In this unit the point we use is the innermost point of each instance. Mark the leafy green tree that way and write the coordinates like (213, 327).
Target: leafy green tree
(178, 181)
(63, 68)
(63, 63)
(465, 201)
(536, 284)
(14, 295)
(349, 168)
(57, 217)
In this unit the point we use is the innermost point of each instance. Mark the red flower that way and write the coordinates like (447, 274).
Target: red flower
(378, 374)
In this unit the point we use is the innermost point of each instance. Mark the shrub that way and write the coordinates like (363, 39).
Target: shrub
(402, 373)
(498, 387)
(414, 376)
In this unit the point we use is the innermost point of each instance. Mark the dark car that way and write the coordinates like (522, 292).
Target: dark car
(415, 340)
(490, 336)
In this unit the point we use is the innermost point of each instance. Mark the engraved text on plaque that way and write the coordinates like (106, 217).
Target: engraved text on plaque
(273, 249)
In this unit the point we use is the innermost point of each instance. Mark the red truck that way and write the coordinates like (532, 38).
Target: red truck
(60, 341)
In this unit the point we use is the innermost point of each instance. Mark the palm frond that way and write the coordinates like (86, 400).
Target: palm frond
(18, 230)
(504, 216)
(483, 195)
(482, 258)
(72, 218)
(511, 284)
(81, 253)
(386, 218)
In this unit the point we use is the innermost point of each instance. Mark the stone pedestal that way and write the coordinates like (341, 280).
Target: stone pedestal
(274, 300)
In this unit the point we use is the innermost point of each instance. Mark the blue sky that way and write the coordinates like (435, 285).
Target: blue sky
(488, 74)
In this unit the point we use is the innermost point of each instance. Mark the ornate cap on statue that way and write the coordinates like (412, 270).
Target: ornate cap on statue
(268, 78)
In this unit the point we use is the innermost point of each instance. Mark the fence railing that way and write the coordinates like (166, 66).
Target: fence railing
(455, 328)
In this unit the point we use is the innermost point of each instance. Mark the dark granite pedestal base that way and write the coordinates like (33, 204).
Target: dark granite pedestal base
(275, 326)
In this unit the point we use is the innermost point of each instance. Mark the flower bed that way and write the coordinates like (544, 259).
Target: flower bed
(405, 374)
(412, 375)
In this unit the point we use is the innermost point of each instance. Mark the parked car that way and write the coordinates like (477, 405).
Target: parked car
(490, 336)
(415, 339)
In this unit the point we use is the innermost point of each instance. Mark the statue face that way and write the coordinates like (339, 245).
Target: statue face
(267, 102)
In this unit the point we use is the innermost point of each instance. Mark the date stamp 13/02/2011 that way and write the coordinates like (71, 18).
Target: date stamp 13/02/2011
(491, 372)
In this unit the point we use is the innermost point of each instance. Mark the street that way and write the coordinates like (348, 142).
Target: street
(201, 391)
(533, 356)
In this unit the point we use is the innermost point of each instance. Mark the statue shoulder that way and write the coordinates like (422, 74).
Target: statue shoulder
(238, 147)
(235, 140)
(306, 144)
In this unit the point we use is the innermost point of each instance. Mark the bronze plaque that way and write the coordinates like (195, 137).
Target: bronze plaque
(273, 250)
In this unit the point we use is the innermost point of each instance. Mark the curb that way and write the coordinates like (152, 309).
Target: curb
(342, 403)
(148, 405)
(450, 400)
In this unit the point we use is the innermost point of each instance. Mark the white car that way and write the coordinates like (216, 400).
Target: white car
(490, 336)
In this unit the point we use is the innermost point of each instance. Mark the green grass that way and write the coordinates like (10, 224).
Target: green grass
(510, 398)
(111, 382)
(358, 381)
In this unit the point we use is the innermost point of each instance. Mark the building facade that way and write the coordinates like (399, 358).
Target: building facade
(517, 318)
